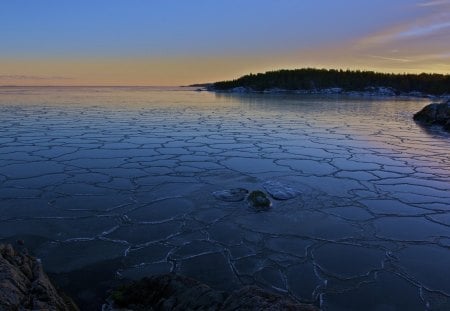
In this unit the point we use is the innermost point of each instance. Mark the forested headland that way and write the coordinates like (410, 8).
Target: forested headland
(310, 79)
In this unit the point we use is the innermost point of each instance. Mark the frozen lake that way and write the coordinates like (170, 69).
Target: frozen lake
(111, 183)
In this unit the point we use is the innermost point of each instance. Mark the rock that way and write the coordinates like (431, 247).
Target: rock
(415, 94)
(239, 89)
(231, 195)
(332, 90)
(255, 298)
(274, 90)
(175, 292)
(259, 200)
(279, 191)
(25, 286)
(436, 113)
(166, 292)
(379, 91)
(447, 126)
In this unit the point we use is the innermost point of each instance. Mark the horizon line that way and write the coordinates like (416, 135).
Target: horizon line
(93, 86)
(197, 84)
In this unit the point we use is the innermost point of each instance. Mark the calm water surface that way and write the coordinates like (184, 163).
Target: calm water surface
(104, 184)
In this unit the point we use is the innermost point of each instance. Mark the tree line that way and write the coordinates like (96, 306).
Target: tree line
(347, 80)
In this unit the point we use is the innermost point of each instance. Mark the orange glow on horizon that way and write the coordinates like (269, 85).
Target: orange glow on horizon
(184, 71)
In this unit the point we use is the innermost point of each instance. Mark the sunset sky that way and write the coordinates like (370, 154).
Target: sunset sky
(175, 42)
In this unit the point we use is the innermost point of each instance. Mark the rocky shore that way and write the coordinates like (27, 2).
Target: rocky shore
(175, 292)
(25, 286)
(435, 114)
(333, 81)
(367, 92)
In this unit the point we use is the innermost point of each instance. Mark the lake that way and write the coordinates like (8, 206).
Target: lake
(105, 184)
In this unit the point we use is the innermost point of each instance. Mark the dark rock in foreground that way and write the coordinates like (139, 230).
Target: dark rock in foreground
(167, 292)
(259, 200)
(175, 292)
(255, 298)
(25, 286)
(435, 114)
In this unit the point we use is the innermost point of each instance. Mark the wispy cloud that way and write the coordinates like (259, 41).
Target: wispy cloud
(409, 31)
(402, 60)
(419, 44)
(422, 30)
(433, 20)
(434, 3)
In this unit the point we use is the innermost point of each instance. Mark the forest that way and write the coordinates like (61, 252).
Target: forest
(347, 80)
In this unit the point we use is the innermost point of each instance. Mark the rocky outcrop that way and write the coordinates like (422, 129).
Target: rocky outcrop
(175, 292)
(25, 286)
(259, 200)
(255, 298)
(436, 113)
(166, 292)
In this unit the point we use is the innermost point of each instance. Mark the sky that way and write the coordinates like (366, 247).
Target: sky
(179, 42)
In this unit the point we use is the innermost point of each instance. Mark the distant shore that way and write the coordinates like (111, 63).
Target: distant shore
(369, 92)
(310, 81)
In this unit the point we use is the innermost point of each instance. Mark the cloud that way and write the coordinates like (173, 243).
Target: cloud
(425, 40)
(402, 60)
(432, 20)
(434, 3)
(410, 31)
(423, 30)
(419, 44)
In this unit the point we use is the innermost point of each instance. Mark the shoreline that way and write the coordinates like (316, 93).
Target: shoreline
(375, 92)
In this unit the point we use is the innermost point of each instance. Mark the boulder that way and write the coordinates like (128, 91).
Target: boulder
(25, 286)
(255, 298)
(436, 113)
(176, 292)
(259, 200)
(166, 292)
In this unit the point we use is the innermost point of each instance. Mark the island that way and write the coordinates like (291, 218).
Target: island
(332, 81)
